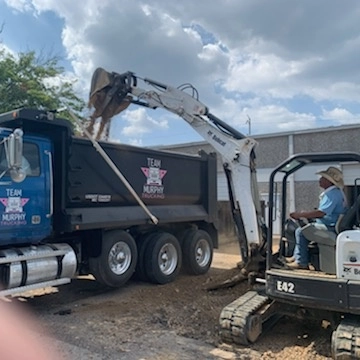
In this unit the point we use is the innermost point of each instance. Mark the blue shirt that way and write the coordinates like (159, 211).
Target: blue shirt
(332, 203)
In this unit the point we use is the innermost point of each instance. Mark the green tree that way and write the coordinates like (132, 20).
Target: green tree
(30, 81)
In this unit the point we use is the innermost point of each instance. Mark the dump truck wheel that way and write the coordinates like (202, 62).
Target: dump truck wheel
(117, 260)
(163, 258)
(197, 252)
(142, 244)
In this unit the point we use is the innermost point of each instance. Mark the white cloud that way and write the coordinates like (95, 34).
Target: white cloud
(264, 118)
(244, 57)
(140, 123)
(277, 118)
(262, 74)
(7, 50)
(341, 116)
(346, 91)
(20, 5)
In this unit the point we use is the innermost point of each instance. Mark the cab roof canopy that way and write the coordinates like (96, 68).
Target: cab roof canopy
(34, 121)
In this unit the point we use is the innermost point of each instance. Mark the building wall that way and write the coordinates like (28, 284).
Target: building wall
(271, 151)
(342, 139)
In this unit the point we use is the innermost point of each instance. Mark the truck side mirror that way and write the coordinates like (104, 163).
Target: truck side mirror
(15, 149)
(15, 156)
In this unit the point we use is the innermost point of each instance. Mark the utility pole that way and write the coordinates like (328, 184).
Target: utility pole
(248, 121)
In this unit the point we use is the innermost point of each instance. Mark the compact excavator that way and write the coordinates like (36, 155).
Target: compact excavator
(330, 290)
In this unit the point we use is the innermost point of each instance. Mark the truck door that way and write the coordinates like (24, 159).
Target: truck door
(26, 207)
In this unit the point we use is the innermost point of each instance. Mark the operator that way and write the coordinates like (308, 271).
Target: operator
(332, 204)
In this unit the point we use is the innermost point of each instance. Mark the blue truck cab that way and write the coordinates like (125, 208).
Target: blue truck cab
(64, 211)
(25, 207)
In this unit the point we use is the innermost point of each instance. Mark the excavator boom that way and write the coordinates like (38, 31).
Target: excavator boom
(112, 93)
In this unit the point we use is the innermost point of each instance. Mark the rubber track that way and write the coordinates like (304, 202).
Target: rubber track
(346, 340)
(233, 318)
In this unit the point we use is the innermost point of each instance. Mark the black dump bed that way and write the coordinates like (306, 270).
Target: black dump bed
(88, 195)
(175, 187)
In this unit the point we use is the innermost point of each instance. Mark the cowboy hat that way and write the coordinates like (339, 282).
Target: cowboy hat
(334, 175)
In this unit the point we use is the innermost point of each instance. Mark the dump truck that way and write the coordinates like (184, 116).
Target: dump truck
(64, 211)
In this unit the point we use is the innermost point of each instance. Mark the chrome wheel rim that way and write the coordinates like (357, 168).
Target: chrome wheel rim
(202, 252)
(168, 259)
(120, 258)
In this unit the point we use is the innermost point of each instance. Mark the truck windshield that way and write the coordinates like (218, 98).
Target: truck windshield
(30, 161)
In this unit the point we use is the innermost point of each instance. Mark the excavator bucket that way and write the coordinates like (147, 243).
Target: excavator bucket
(108, 97)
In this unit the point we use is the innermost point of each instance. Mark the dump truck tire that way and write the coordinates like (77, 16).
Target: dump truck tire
(163, 258)
(197, 252)
(142, 245)
(117, 260)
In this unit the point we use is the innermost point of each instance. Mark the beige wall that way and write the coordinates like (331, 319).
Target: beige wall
(271, 151)
(325, 141)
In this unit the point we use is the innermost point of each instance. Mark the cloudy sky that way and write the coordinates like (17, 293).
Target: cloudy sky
(285, 65)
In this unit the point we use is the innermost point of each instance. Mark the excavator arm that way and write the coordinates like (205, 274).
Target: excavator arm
(112, 92)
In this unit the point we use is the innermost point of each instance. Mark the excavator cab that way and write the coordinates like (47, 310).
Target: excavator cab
(320, 239)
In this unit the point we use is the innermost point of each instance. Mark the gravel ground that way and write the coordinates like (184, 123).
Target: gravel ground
(158, 322)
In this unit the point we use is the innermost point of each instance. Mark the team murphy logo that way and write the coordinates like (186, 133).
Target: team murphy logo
(14, 204)
(153, 189)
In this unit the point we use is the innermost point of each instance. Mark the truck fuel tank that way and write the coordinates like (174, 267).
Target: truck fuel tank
(33, 264)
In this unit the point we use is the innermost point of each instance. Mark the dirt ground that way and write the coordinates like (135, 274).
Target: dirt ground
(173, 321)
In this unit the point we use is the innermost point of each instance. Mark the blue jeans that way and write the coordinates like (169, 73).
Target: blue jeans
(301, 253)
